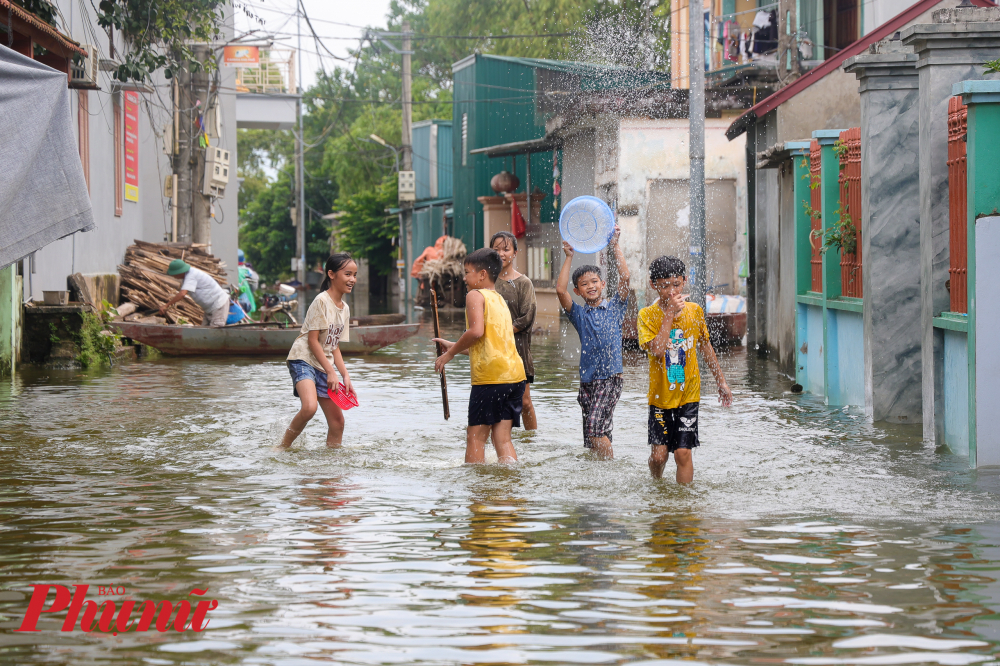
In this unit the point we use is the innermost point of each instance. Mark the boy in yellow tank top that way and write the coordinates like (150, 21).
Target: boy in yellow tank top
(498, 377)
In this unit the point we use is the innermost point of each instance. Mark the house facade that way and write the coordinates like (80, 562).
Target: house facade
(125, 133)
(569, 129)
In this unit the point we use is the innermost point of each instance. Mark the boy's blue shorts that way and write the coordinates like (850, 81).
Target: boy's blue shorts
(300, 370)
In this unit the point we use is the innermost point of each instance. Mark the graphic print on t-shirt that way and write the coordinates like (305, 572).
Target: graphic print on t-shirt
(333, 335)
(676, 358)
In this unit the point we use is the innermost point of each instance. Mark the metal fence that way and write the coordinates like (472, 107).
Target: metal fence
(816, 226)
(957, 205)
(850, 208)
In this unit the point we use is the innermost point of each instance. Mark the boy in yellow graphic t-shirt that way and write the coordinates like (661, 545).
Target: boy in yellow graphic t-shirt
(669, 330)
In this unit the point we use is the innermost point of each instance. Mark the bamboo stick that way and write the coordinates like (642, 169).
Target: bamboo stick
(440, 350)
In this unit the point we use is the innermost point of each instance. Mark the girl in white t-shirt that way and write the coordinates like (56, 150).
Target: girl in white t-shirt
(316, 351)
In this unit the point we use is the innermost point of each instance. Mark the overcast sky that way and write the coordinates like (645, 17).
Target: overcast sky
(326, 16)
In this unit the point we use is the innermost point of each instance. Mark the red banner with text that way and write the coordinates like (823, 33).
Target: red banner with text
(132, 146)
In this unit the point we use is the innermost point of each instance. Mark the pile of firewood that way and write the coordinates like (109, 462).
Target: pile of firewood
(145, 283)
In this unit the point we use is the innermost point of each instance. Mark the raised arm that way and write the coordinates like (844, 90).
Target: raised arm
(562, 284)
(623, 274)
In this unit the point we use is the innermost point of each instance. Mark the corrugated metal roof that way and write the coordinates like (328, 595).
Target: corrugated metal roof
(741, 124)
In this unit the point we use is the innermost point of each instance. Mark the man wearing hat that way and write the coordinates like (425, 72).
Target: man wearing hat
(204, 290)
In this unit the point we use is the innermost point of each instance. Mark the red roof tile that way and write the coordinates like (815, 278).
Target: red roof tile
(65, 42)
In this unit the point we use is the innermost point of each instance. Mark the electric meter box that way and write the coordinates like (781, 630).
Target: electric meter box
(407, 186)
(216, 172)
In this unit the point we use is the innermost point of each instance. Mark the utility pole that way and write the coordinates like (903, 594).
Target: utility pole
(407, 216)
(192, 208)
(788, 42)
(201, 205)
(183, 154)
(696, 118)
(300, 172)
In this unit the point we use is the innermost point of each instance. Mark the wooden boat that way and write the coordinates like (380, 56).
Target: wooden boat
(726, 329)
(367, 335)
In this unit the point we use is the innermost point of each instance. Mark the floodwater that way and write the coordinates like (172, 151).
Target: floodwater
(808, 537)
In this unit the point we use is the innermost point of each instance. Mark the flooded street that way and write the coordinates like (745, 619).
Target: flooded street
(809, 536)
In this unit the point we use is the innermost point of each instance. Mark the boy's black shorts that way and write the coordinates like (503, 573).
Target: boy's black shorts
(674, 428)
(493, 403)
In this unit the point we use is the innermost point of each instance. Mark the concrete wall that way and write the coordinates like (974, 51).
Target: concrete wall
(877, 13)
(833, 102)
(955, 378)
(766, 262)
(781, 306)
(10, 319)
(579, 164)
(101, 250)
(653, 169)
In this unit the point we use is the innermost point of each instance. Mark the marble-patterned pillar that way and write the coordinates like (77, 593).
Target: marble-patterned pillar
(890, 230)
(952, 48)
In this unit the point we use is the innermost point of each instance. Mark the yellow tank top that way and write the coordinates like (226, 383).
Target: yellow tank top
(493, 357)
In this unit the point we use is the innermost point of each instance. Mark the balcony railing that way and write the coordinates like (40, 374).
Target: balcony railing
(274, 74)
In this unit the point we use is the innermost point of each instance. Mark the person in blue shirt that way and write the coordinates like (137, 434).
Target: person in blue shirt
(599, 324)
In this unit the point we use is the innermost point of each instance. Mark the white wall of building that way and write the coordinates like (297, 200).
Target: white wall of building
(652, 160)
(876, 13)
(103, 249)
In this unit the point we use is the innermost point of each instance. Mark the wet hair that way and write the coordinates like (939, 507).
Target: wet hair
(508, 238)
(583, 270)
(485, 259)
(335, 263)
(667, 267)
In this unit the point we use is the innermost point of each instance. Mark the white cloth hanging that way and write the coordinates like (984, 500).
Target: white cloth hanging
(761, 19)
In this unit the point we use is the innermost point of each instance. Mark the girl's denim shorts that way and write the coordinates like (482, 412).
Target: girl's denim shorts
(300, 370)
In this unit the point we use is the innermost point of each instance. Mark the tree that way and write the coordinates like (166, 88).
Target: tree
(267, 235)
(365, 229)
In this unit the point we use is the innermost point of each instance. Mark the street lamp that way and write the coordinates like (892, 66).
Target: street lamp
(375, 138)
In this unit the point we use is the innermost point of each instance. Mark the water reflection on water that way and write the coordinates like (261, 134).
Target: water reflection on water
(809, 536)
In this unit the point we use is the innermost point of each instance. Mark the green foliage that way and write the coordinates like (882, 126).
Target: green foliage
(97, 344)
(159, 33)
(839, 149)
(842, 235)
(268, 237)
(43, 9)
(991, 66)
(365, 229)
